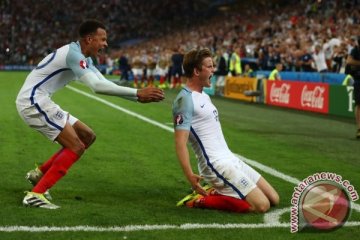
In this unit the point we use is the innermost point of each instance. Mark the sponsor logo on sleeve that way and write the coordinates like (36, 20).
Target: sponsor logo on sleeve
(83, 64)
(178, 120)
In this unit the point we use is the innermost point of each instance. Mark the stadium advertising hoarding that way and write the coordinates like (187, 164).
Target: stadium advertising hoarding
(299, 95)
(341, 101)
(235, 87)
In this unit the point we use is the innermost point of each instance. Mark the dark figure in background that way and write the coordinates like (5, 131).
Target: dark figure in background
(124, 68)
(353, 68)
(176, 69)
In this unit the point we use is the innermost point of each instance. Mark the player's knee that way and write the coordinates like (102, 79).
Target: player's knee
(262, 207)
(79, 148)
(85, 134)
(90, 139)
(275, 199)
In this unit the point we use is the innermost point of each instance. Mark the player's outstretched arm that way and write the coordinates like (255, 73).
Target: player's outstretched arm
(103, 86)
(150, 94)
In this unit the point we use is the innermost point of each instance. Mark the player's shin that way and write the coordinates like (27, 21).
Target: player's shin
(225, 203)
(58, 169)
(46, 165)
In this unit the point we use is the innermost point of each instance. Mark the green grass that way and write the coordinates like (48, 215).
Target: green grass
(131, 176)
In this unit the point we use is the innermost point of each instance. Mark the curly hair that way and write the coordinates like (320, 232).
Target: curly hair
(90, 26)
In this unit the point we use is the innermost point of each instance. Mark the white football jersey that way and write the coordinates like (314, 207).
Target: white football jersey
(54, 72)
(195, 112)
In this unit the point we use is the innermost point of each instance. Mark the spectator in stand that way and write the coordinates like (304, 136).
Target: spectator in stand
(331, 21)
(262, 59)
(338, 58)
(274, 56)
(306, 61)
(297, 53)
(319, 59)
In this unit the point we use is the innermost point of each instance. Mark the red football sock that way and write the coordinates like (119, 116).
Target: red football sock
(179, 82)
(57, 170)
(46, 165)
(175, 80)
(226, 203)
(162, 79)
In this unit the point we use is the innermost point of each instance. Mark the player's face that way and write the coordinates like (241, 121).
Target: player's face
(97, 42)
(207, 71)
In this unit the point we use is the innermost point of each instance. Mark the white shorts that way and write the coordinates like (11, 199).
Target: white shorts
(47, 118)
(137, 72)
(231, 177)
(161, 71)
(150, 72)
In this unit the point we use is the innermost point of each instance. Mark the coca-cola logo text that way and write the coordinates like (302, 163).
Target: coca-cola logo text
(280, 94)
(313, 98)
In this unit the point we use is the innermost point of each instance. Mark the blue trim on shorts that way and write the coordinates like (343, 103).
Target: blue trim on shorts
(212, 167)
(47, 118)
(44, 65)
(43, 81)
(37, 105)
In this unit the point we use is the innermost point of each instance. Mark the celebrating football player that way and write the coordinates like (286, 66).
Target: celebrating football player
(34, 104)
(232, 185)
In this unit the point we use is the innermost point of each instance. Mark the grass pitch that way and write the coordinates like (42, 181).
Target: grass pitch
(130, 177)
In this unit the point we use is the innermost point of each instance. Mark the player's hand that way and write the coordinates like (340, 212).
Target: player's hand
(195, 184)
(150, 94)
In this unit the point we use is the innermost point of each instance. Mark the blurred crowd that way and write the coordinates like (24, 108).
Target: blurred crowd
(30, 28)
(303, 35)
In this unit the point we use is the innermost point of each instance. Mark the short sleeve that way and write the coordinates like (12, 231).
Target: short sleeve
(183, 109)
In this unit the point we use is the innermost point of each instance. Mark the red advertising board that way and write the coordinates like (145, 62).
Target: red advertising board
(299, 95)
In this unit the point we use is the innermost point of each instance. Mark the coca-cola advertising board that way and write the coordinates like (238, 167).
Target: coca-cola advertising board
(299, 95)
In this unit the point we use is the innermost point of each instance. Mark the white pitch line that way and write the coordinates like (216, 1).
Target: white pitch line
(133, 228)
(274, 216)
